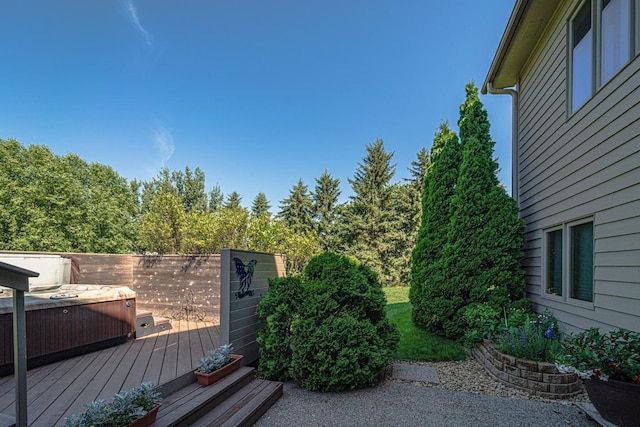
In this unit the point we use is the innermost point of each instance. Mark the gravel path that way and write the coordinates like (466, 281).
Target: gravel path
(465, 396)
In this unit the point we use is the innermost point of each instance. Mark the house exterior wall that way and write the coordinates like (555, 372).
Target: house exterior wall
(579, 165)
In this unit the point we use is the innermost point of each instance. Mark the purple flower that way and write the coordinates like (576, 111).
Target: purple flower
(549, 332)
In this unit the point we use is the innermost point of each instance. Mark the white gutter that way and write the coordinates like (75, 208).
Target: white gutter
(515, 169)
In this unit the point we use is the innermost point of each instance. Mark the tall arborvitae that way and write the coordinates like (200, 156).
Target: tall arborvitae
(439, 187)
(481, 261)
(325, 210)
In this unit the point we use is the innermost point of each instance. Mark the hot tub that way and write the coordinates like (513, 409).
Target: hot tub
(67, 320)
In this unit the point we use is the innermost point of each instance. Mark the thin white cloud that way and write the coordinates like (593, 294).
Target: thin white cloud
(133, 16)
(163, 141)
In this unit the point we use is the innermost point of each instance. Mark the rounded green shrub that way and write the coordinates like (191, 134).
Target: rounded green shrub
(327, 329)
(339, 353)
(277, 310)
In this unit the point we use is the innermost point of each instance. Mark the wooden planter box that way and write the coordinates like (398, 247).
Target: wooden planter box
(148, 419)
(212, 377)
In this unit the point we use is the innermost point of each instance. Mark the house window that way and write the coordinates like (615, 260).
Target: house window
(615, 37)
(568, 267)
(581, 281)
(554, 262)
(603, 34)
(581, 56)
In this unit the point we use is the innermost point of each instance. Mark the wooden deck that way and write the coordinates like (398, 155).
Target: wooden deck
(58, 390)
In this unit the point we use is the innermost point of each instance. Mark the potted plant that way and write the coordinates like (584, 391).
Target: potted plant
(137, 407)
(609, 364)
(217, 364)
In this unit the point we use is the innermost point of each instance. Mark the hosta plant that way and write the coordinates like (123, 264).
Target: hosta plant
(614, 355)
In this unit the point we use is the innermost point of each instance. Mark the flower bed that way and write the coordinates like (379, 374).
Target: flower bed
(538, 378)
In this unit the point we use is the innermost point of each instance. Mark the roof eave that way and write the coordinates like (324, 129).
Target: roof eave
(526, 25)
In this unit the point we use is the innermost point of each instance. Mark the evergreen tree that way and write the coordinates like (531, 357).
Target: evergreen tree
(297, 209)
(325, 210)
(260, 206)
(407, 206)
(481, 262)
(215, 198)
(369, 219)
(233, 201)
(438, 190)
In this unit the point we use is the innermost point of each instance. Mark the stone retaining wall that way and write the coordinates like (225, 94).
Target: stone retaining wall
(538, 378)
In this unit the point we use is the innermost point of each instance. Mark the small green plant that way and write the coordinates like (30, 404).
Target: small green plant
(614, 355)
(483, 322)
(125, 407)
(534, 339)
(216, 359)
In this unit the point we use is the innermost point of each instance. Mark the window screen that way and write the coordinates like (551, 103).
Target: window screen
(615, 37)
(554, 262)
(581, 56)
(582, 262)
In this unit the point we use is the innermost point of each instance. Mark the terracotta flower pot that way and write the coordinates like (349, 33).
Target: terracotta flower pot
(616, 401)
(210, 378)
(148, 418)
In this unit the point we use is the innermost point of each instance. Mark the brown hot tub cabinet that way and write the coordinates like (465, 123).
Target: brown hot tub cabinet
(66, 321)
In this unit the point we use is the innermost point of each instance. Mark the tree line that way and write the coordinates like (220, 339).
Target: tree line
(449, 230)
(50, 202)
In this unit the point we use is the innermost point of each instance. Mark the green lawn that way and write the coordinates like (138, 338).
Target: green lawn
(415, 343)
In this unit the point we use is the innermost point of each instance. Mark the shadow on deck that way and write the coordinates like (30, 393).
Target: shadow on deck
(167, 358)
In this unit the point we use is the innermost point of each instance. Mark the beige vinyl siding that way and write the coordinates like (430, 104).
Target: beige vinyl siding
(581, 165)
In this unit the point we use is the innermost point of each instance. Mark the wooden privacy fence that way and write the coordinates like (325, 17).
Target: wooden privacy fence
(190, 287)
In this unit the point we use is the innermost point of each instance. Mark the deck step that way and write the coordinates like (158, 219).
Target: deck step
(245, 407)
(237, 399)
(147, 323)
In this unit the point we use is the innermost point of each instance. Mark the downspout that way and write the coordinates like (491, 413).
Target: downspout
(515, 169)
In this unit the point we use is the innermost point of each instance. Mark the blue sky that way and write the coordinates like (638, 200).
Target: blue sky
(258, 94)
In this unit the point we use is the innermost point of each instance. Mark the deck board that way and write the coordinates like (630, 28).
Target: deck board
(154, 368)
(139, 367)
(60, 389)
(83, 390)
(184, 347)
(195, 345)
(170, 360)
